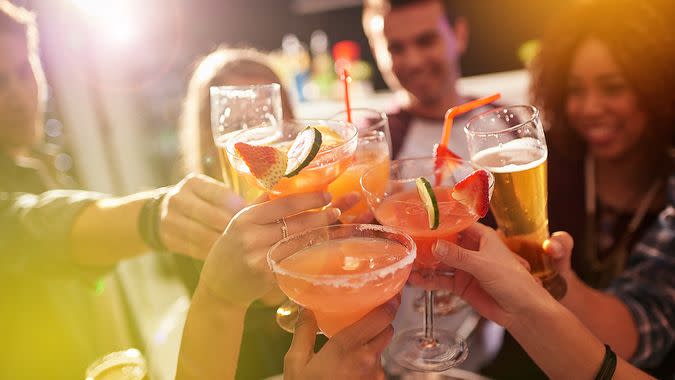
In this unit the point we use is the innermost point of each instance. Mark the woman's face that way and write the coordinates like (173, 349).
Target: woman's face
(601, 106)
(18, 95)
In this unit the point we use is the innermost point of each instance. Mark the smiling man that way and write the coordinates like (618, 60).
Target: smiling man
(418, 45)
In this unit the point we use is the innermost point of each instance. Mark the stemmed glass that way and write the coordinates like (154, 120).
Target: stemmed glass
(342, 272)
(392, 196)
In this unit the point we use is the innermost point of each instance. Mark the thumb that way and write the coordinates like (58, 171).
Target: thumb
(455, 256)
(559, 245)
(302, 346)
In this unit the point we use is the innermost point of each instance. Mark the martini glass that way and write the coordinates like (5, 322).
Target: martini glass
(392, 196)
(342, 272)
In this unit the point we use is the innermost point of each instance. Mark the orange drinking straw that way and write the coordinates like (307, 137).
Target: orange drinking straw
(346, 78)
(441, 150)
(460, 109)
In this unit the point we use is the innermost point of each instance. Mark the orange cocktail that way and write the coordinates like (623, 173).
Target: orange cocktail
(339, 141)
(374, 147)
(342, 272)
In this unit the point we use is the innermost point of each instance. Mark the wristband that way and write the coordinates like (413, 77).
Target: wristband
(148, 221)
(608, 365)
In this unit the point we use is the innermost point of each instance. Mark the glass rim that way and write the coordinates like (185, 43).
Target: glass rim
(216, 89)
(468, 130)
(491, 179)
(384, 119)
(346, 279)
(229, 147)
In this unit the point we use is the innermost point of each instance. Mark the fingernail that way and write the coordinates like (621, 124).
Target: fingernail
(392, 305)
(553, 247)
(442, 248)
(335, 212)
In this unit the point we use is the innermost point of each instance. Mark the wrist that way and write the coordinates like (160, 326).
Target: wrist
(149, 220)
(206, 295)
(539, 313)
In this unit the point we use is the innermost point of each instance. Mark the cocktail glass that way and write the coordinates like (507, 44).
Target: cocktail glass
(392, 196)
(334, 157)
(510, 143)
(235, 108)
(339, 141)
(374, 147)
(342, 272)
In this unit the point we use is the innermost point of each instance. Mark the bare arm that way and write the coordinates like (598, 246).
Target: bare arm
(594, 309)
(210, 345)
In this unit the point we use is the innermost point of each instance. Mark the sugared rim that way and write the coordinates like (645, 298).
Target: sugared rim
(491, 179)
(535, 114)
(351, 280)
(383, 118)
(229, 146)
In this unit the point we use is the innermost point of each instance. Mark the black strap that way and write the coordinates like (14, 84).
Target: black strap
(608, 365)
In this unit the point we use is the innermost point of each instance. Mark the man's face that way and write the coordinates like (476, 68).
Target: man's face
(424, 49)
(18, 94)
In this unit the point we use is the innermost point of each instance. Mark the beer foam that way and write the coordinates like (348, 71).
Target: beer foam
(513, 156)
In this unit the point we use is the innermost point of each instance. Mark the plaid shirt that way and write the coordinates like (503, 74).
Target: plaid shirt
(647, 287)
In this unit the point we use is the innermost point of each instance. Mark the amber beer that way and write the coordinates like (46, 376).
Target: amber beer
(519, 200)
(510, 142)
(230, 176)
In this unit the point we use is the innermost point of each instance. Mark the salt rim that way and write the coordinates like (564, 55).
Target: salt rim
(491, 178)
(347, 280)
(229, 146)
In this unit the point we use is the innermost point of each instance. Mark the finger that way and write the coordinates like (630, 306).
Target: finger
(457, 257)
(215, 192)
(276, 209)
(565, 240)
(312, 219)
(522, 261)
(195, 208)
(377, 345)
(369, 326)
(347, 201)
(183, 227)
(366, 217)
(302, 345)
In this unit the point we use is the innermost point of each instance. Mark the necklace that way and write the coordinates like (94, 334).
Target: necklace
(600, 272)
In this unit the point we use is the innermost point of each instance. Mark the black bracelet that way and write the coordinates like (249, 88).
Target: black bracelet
(608, 365)
(148, 221)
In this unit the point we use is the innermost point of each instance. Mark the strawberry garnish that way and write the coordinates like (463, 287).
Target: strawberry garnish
(441, 152)
(474, 192)
(267, 164)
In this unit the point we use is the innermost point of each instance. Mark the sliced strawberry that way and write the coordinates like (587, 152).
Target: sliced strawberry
(474, 192)
(267, 164)
(441, 152)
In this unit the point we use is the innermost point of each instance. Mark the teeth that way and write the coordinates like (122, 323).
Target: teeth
(600, 133)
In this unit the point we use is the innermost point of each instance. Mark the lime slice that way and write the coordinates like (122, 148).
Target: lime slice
(302, 152)
(428, 197)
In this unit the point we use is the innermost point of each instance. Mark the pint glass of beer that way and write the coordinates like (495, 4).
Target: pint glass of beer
(510, 143)
(235, 108)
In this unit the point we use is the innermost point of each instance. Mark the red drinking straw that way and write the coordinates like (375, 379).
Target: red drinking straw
(441, 150)
(346, 79)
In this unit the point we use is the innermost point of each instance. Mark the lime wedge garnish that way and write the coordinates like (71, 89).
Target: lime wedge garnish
(428, 197)
(305, 147)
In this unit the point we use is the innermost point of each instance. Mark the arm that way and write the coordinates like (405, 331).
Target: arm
(500, 288)
(211, 339)
(234, 275)
(641, 300)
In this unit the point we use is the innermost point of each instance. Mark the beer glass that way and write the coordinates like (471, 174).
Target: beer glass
(510, 143)
(234, 108)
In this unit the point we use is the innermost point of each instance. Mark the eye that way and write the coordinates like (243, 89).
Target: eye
(613, 89)
(426, 39)
(395, 48)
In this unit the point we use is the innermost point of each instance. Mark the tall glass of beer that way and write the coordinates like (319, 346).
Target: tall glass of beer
(510, 143)
(235, 108)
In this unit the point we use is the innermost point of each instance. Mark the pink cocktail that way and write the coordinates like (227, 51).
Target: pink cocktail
(393, 197)
(342, 272)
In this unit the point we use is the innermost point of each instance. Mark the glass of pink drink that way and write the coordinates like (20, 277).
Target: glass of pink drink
(342, 272)
(393, 197)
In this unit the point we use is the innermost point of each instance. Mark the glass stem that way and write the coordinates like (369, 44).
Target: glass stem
(429, 314)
